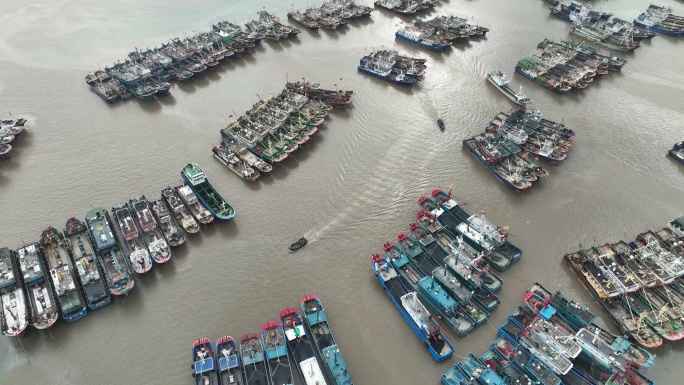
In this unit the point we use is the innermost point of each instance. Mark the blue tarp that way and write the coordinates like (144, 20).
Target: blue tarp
(228, 363)
(207, 366)
(316, 317)
(548, 312)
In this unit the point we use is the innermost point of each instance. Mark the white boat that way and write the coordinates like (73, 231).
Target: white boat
(14, 315)
(500, 81)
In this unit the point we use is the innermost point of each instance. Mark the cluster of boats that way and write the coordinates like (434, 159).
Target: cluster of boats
(639, 284)
(552, 341)
(146, 73)
(330, 15)
(660, 19)
(437, 34)
(393, 67)
(442, 266)
(79, 268)
(511, 138)
(9, 130)
(263, 359)
(406, 7)
(276, 127)
(566, 65)
(677, 152)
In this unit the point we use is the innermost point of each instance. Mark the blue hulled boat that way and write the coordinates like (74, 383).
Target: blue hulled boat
(413, 311)
(477, 370)
(300, 347)
(204, 368)
(577, 316)
(253, 363)
(228, 362)
(325, 344)
(385, 73)
(279, 368)
(677, 151)
(417, 38)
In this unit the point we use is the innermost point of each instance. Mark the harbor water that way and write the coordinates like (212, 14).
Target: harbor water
(352, 188)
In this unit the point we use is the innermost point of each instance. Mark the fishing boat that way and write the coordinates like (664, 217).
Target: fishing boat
(133, 244)
(44, 310)
(300, 347)
(610, 351)
(56, 257)
(520, 358)
(14, 314)
(301, 242)
(279, 368)
(419, 38)
(193, 175)
(385, 73)
(627, 321)
(536, 297)
(253, 360)
(231, 160)
(402, 7)
(203, 368)
(413, 311)
(326, 346)
(172, 232)
(506, 368)
(116, 271)
(500, 81)
(86, 264)
(152, 235)
(198, 211)
(440, 124)
(528, 68)
(494, 157)
(677, 152)
(180, 211)
(479, 372)
(104, 92)
(228, 362)
(252, 160)
(303, 19)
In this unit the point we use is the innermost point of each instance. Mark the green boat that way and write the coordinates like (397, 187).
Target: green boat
(193, 175)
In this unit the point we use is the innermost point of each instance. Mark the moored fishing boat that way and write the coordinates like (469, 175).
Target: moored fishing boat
(493, 158)
(252, 160)
(172, 232)
(204, 368)
(133, 245)
(14, 314)
(537, 297)
(193, 175)
(279, 368)
(152, 235)
(86, 264)
(300, 347)
(419, 38)
(180, 211)
(677, 152)
(611, 351)
(117, 273)
(630, 323)
(56, 257)
(253, 360)
(413, 311)
(198, 211)
(40, 296)
(231, 160)
(385, 74)
(326, 346)
(228, 362)
(500, 81)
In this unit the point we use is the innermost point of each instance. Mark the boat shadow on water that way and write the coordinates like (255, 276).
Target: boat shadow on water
(150, 105)
(274, 45)
(229, 229)
(167, 100)
(187, 87)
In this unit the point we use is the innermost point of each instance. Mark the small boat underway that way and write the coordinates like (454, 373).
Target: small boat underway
(14, 314)
(279, 368)
(117, 272)
(173, 234)
(134, 246)
(253, 363)
(86, 266)
(301, 242)
(323, 339)
(199, 212)
(152, 235)
(44, 311)
(228, 362)
(440, 124)
(56, 256)
(500, 81)
(180, 211)
(300, 347)
(193, 175)
(203, 368)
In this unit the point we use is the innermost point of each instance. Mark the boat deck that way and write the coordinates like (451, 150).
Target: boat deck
(126, 224)
(8, 278)
(560, 364)
(559, 337)
(452, 284)
(145, 216)
(29, 262)
(609, 354)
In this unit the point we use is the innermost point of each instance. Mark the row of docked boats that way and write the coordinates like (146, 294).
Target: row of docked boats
(442, 267)
(145, 74)
(512, 138)
(406, 7)
(639, 284)
(566, 65)
(661, 20)
(330, 15)
(276, 127)
(553, 341)
(79, 268)
(393, 67)
(677, 152)
(10, 129)
(264, 360)
(575, 11)
(438, 33)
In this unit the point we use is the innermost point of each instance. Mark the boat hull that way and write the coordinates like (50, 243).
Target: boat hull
(499, 177)
(371, 73)
(536, 81)
(431, 47)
